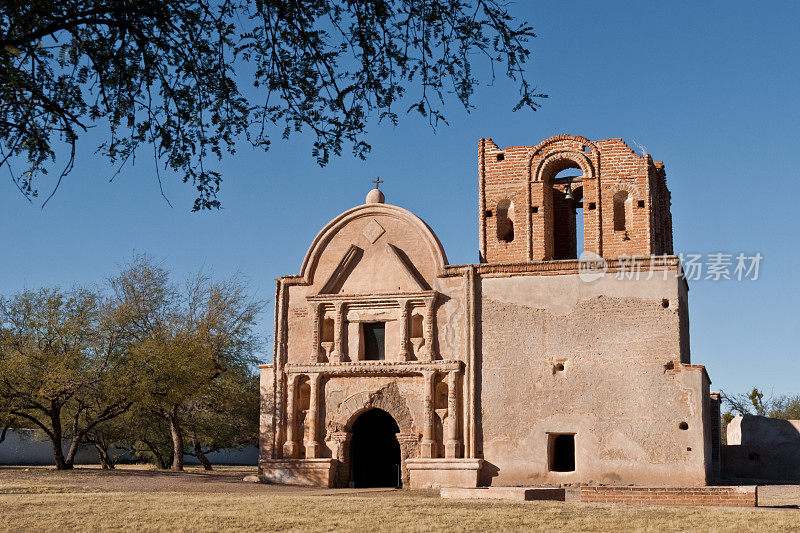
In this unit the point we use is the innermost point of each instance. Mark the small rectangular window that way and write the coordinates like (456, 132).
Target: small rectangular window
(374, 341)
(534, 209)
(501, 156)
(640, 203)
(592, 206)
(562, 452)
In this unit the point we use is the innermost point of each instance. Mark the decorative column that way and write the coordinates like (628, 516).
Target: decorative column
(338, 326)
(428, 448)
(452, 446)
(428, 352)
(290, 448)
(312, 442)
(341, 452)
(404, 354)
(315, 332)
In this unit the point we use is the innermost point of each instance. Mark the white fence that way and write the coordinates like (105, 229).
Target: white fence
(22, 447)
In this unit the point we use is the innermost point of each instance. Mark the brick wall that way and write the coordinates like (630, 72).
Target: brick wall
(545, 221)
(745, 496)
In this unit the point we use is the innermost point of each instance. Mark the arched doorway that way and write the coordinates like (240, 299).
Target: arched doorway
(374, 450)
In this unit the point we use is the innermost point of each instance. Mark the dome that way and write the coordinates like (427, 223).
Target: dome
(375, 196)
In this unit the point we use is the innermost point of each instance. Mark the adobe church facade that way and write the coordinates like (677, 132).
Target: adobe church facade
(392, 366)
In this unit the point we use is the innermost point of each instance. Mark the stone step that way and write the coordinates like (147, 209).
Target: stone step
(504, 493)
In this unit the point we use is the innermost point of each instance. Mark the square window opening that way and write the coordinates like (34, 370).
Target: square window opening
(562, 452)
(374, 341)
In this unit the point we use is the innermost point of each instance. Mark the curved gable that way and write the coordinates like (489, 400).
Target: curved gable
(373, 248)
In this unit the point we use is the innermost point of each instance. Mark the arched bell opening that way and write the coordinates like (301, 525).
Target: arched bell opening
(568, 232)
(375, 458)
(505, 220)
(622, 210)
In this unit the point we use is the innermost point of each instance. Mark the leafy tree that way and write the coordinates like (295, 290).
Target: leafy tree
(168, 75)
(782, 406)
(786, 407)
(139, 431)
(61, 365)
(225, 416)
(183, 340)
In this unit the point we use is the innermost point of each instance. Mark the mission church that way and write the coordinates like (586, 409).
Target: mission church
(393, 367)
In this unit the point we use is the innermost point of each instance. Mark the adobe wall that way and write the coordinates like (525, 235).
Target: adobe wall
(762, 448)
(623, 391)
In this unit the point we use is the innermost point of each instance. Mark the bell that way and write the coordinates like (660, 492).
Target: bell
(568, 191)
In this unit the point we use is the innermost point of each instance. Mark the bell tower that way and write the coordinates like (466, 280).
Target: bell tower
(567, 195)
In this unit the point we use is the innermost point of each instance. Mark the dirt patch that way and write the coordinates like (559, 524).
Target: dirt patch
(132, 478)
(779, 496)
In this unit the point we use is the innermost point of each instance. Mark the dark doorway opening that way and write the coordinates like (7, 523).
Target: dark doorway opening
(562, 453)
(374, 450)
(375, 341)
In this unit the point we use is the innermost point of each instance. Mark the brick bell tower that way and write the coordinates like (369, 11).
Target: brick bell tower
(568, 194)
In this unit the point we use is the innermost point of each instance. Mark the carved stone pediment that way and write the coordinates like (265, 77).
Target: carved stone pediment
(382, 268)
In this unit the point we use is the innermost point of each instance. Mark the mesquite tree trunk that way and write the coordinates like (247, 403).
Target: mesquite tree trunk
(58, 452)
(102, 454)
(177, 439)
(198, 452)
(162, 462)
(73, 449)
(5, 431)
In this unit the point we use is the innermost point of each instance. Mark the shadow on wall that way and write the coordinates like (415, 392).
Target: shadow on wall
(762, 448)
(21, 447)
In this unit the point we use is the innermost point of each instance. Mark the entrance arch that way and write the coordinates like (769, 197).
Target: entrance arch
(374, 450)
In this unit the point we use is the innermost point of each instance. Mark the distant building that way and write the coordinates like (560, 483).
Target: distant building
(531, 367)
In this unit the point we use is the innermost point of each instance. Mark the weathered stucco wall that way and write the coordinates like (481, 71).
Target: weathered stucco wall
(618, 393)
(762, 448)
(481, 366)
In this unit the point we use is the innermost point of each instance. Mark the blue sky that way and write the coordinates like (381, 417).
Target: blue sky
(709, 88)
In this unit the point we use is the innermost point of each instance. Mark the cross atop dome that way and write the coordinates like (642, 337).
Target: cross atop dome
(375, 196)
